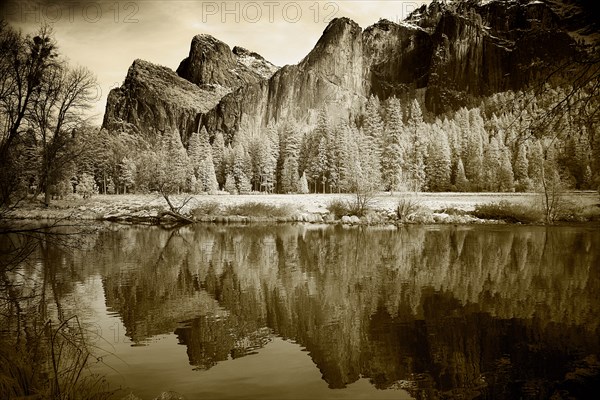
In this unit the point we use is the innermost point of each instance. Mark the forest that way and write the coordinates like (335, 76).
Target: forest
(532, 140)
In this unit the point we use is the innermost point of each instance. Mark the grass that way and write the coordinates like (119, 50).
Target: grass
(509, 212)
(260, 210)
(52, 364)
(407, 207)
(568, 211)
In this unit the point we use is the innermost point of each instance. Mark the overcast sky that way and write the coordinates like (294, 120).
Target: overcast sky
(106, 36)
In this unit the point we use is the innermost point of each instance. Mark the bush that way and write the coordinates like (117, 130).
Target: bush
(256, 209)
(407, 207)
(339, 208)
(359, 206)
(509, 212)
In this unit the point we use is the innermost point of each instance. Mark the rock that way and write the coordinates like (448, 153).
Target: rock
(354, 220)
(169, 396)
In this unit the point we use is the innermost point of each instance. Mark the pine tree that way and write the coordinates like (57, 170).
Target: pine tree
(462, 183)
(473, 149)
(536, 159)
(350, 165)
(240, 170)
(438, 162)
(303, 184)
(368, 176)
(128, 173)
(373, 129)
(491, 166)
(392, 153)
(218, 151)
(171, 169)
(521, 169)
(207, 179)
(288, 158)
(415, 152)
(87, 186)
(230, 185)
(289, 178)
(505, 173)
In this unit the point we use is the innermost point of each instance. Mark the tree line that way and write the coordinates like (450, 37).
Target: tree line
(390, 147)
(509, 142)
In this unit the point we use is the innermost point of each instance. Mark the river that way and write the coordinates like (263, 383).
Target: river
(305, 311)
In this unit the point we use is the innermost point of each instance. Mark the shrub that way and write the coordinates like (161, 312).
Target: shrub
(509, 212)
(256, 209)
(339, 208)
(359, 206)
(407, 207)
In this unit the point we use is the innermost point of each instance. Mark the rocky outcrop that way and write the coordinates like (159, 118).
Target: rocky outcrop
(153, 99)
(450, 53)
(211, 62)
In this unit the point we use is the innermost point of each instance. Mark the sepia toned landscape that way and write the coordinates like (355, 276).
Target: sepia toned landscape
(321, 200)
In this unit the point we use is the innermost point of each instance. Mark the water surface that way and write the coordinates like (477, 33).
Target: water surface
(293, 311)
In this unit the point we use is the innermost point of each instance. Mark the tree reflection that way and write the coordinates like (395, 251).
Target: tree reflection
(444, 312)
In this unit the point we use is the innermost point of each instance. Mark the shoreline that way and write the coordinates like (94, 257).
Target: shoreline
(144, 209)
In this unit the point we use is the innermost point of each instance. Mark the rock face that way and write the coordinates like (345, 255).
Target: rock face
(211, 62)
(452, 53)
(153, 99)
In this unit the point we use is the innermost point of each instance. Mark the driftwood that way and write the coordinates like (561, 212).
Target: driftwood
(172, 215)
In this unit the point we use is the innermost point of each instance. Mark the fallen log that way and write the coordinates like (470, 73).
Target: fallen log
(176, 216)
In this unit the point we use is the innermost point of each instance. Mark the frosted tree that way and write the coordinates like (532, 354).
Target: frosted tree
(194, 151)
(462, 183)
(521, 169)
(472, 149)
(289, 176)
(373, 129)
(87, 186)
(415, 153)
(322, 167)
(201, 161)
(128, 173)
(303, 184)
(438, 164)
(392, 154)
(368, 178)
(172, 169)
(207, 180)
(230, 185)
(491, 166)
(350, 166)
(535, 156)
(240, 170)
(218, 151)
(288, 158)
(505, 173)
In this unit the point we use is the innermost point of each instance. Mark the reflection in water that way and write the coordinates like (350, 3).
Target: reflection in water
(453, 312)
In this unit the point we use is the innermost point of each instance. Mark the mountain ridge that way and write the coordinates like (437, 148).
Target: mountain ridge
(448, 53)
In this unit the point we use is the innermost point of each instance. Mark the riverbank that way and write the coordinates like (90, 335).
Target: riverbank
(383, 208)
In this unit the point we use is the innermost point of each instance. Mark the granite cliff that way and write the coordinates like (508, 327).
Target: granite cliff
(447, 53)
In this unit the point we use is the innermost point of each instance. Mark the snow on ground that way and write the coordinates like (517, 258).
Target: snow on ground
(303, 203)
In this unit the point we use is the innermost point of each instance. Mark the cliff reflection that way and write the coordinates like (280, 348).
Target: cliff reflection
(492, 312)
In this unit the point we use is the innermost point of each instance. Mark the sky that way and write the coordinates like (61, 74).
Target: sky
(106, 36)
